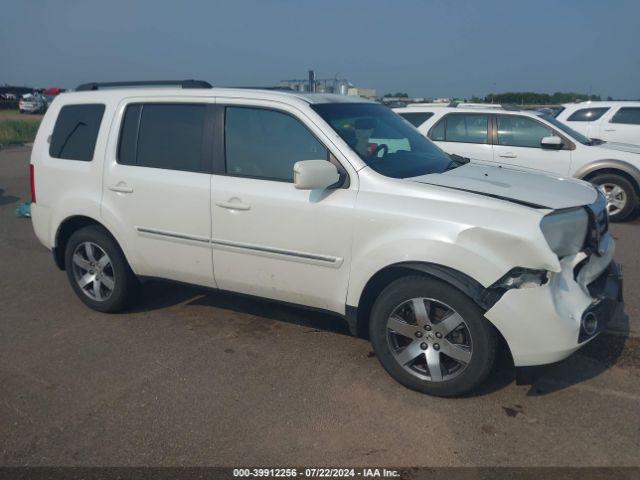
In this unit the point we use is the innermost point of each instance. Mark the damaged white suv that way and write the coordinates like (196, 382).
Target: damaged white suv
(328, 202)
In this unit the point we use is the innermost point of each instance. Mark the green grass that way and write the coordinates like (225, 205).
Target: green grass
(18, 131)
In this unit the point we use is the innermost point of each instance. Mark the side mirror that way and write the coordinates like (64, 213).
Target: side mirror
(552, 142)
(314, 174)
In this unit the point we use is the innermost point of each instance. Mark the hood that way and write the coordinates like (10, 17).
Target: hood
(620, 147)
(537, 190)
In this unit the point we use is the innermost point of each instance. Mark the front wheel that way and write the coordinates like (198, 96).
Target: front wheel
(620, 194)
(431, 337)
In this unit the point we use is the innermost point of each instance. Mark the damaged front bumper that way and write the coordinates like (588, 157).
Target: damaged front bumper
(547, 323)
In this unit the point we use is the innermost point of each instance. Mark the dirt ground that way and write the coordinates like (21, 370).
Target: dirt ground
(192, 377)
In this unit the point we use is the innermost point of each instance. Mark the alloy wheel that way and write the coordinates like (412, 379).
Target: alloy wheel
(615, 195)
(93, 271)
(429, 339)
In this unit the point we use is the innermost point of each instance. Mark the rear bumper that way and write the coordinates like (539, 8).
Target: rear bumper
(41, 221)
(546, 324)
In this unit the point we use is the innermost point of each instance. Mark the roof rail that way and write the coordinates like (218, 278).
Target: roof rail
(152, 83)
(276, 88)
(476, 105)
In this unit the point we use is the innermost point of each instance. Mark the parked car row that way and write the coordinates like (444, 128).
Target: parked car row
(533, 141)
(335, 203)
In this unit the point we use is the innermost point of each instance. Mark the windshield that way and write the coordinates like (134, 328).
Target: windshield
(568, 130)
(384, 140)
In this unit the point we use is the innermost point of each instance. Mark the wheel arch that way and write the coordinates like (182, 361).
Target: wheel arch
(615, 167)
(358, 317)
(67, 227)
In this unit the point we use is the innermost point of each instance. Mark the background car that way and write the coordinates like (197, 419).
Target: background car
(608, 121)
(32, 103)
(531, 140)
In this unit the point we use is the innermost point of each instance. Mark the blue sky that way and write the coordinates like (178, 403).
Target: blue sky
(431, 48)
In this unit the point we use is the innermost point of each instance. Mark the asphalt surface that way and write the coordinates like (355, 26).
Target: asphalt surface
(199, 378)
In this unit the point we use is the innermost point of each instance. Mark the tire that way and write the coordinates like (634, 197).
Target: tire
(473, 342)
(85, 261)
(621, 195)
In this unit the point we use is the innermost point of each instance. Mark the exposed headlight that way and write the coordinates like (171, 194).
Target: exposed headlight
(566, 231)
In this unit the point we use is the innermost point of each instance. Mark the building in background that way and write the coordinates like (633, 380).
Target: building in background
(340, 86)
(369, 93)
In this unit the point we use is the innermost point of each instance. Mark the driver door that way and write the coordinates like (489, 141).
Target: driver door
(518, 144)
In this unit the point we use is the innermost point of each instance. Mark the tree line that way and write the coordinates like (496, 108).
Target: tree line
(533, 98)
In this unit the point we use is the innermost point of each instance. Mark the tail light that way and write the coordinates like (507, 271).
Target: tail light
(33, 183)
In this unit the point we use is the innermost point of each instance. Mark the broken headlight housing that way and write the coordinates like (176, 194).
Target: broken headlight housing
(565, 231)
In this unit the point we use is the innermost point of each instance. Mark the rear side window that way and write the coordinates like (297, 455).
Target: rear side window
(460, 127)
(628, 115)
(261, 143)
(416, 118)
(76, 131)
(168, 136)
(587, 114)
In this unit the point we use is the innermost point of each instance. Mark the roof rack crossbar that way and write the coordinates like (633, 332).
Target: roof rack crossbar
(152, 83)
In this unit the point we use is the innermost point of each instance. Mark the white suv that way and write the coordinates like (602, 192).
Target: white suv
(531, 140)
(609, 121)
(287, 196)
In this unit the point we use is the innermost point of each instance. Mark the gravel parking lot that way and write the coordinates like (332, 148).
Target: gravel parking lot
(192, 377)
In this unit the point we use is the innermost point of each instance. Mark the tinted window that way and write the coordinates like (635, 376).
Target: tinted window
(383, 140)
(416, 118)
(587, 114)
(266, 144)
(75, 133)
(166, 136)
(521, 131)
(461, 127)
(630, 115)
(129, 135)
(437, 132)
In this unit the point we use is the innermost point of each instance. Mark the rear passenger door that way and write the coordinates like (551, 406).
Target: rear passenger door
(464, 134)
(623, 126)
(270, 239)
(517, 143)
(156, 188)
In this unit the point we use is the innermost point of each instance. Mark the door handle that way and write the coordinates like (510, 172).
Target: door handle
(508, 155)
(233, 205)
(609, 129)
(121, 187)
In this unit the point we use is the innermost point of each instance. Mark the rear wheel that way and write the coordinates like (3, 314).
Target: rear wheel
(431, 337)
(98, 270)
(620, 194)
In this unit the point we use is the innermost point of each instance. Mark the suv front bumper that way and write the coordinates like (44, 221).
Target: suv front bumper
(548, 323)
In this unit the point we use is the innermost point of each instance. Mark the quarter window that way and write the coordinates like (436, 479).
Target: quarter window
(168, 136)
(416, 118)
(76, 131)
(261, 143)
(587, 114)
(518, 131)
(628, 115)
(460, 127)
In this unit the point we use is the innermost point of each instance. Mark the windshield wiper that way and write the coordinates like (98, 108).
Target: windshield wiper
(456, 161)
